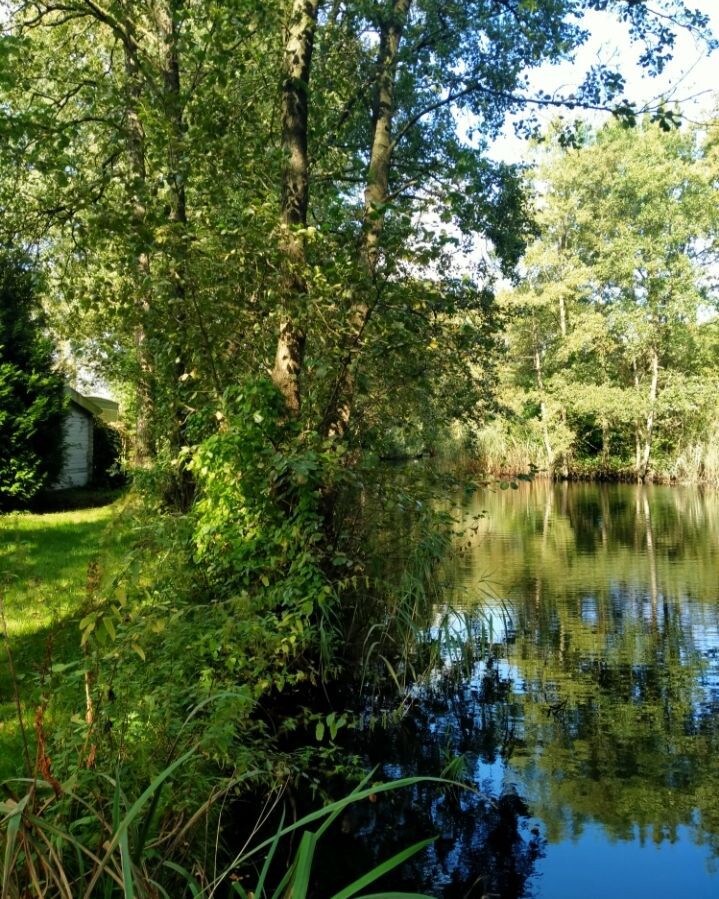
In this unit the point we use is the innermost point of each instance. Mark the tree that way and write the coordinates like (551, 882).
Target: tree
(430, 61)
(302, 259)
(620, 278)
(241, 208)
(249, 213)
(31, 390)
(115, 149)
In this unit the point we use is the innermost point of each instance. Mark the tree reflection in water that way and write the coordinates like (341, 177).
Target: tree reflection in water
(598, 707)
(486, 843)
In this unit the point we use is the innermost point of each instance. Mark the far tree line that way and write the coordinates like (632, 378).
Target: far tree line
(611, 365)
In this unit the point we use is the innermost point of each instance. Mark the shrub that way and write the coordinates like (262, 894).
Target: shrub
(31, 391)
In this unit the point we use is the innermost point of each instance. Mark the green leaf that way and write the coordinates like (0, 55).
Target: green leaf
(127, 879)
(12, 823)
(109, 626)
(193, 885)
(300, 882)
(384, 868)
(260, 887)
(330, 812)
(130, 817)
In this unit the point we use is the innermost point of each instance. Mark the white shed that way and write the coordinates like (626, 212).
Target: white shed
(78, 430)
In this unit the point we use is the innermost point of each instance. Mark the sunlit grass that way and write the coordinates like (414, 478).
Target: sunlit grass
(44, 562)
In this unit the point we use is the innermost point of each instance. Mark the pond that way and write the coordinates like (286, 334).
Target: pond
(589, 722)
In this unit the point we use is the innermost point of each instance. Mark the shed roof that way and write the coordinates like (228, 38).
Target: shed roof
(83, 402)
(109, 409)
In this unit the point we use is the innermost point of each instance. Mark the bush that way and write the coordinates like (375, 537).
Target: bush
(32, 400)
(106, 457)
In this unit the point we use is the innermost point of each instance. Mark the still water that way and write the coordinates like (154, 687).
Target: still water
(588, 718)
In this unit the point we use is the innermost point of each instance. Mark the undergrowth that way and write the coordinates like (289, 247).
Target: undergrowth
(214, 653)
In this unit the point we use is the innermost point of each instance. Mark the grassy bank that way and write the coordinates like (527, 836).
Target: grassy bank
(44, 562)
(183, 689)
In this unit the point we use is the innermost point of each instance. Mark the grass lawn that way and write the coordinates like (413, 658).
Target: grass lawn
(43, 583)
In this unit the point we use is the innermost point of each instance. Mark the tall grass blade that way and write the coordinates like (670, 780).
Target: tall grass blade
(348, 800)
(161, 891)
(42, 824)
(384, 868)
(146, 824)
(116, 802)
(333, 815)
(393, 674)
(282, 884)
(191, 881)
(130, 817)
(259, 889)
(127, 880)
(13, 819)
(300, 883)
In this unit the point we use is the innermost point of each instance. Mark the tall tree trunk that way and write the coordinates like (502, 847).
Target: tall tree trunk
(339, 408)
(167, 16)
(563, 330)
(563, 411)
(143, 448)
(376, 191)
(649, 429)
(543, 408)
(562, 317)
(296, 68)
(637, 429)
(605, 446)
(167, 12)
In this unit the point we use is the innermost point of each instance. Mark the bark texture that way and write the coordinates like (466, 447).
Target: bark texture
(296, 69)
(143, 449)
(548, 448)
(644, 429)
(376, 196)
(651, 413)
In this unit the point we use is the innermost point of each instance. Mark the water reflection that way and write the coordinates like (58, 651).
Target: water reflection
(592, 720)
(614, 656)
(487, 843)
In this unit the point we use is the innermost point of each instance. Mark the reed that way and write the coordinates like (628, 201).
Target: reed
(60, 842)
(504, 450)
(698, 462)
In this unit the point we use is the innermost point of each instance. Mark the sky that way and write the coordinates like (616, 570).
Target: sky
(691, 80)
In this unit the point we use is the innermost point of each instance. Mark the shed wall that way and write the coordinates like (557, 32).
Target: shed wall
(77, 432)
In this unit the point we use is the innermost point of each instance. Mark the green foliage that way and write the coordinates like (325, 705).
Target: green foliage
(173, 276)
(49, 836)
(259, 530)
(106, 456)
(610, 348)
(185, 242)
(234, 605)
(31, 391)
